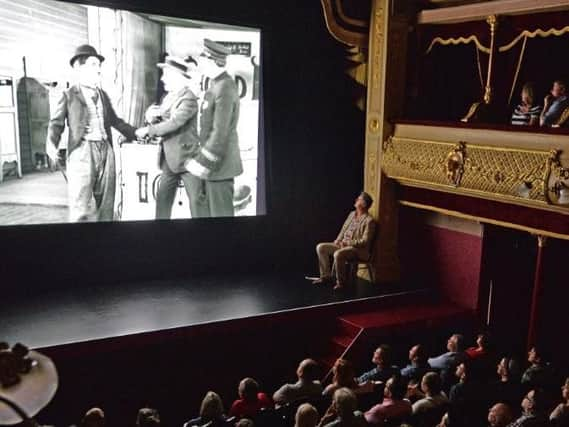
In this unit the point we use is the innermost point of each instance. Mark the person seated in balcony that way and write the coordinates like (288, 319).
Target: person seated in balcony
(148, 417)
(307, 385)
(527, 112)
(343, 376)
(353, 243)
(539, 373)
(418, 365)
(554, 104)
(343, 411)
(384, 369)
(306, 416)
(250, 401)
(500, 415)
(560, 415)
(393, 408)
(211, 411)
(534, 406)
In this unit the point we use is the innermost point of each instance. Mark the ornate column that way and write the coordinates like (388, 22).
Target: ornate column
(534, 315)
(385, 99)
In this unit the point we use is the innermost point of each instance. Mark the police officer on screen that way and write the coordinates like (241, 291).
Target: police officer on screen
(219, 161)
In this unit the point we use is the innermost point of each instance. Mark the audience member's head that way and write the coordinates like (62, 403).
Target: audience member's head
(248, 389)
(382, 356)
(500, 415)
(344, 373)
(212, 407)
(345, 402)
(245, 422)
(565, 390)
(363, 201)
(148, 417)
(483, 341)
(417, 355)
(558, 88)
(534, 402)
(94, 417)
(307, 370)
(508, 369)
(455, 343)
(306, 416)
(536, 355)
(431, 384)
(395, 387)
(462, 371)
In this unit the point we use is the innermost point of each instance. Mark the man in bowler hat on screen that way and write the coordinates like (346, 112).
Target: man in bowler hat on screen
(90, 159)
(219, 161)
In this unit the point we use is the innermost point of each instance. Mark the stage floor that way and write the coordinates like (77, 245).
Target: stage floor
(95, 312)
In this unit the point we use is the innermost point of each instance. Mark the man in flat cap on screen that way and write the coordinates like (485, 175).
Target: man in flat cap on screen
(219, 161)
(87, 110)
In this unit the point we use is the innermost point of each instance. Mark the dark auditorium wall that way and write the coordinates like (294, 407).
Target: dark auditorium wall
(443, 253)
(314, 145)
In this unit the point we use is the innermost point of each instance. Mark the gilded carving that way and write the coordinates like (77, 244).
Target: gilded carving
(497, 173)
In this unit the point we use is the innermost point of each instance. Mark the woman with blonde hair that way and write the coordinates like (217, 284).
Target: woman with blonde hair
(211, 411)
(306, 416)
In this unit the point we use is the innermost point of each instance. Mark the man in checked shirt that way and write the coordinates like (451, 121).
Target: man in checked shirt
(353, 243)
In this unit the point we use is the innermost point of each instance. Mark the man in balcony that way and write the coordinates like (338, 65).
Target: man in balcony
(554, 104)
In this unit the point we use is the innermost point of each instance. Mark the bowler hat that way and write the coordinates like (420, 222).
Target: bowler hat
(85, 50)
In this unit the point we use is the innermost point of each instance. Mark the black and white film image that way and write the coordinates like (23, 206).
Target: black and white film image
(113, 115)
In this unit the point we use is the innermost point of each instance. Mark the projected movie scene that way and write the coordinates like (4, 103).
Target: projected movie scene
(112, 115)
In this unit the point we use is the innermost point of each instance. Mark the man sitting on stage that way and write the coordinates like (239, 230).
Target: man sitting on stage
(353, 243)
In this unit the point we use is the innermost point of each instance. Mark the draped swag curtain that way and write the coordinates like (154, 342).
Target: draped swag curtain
(529, 48)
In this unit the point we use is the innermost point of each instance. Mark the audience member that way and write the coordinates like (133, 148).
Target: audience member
(452, 357)
(435, 399)
(560, 415)
(353, 243)
(148, 417)
(343, 411)
(554, 104)
(382, 359)
(211, 411)
(394, 407)
(526, 113)
(508, 388)
(418, 365)
(245, 422)
(468, 400)
(94, 417)
(307, 385)
(250, 400)
(306, 416)
(538, 374)
(482, 347)
(533, 410)
(500, 415)
(343, 376)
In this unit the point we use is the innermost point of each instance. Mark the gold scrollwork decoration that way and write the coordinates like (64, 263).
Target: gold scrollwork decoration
(455, 41)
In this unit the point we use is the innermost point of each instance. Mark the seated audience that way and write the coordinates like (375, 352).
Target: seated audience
(343, 376)
(343, 411)
(534, 405)
(435, 400)
(418, 365)
(482, 347)
(211, 411)
(306, 416)
(250, 400)
(148, 417)
(560, 415)
(526, 113)
(447, 362)
(538, 374)
(468, 400)
(508, 388)
(382, 359)
(353, 243)
(394, 407)
(500, 415)
(94, 417)
(307, 385)
(554, 104)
